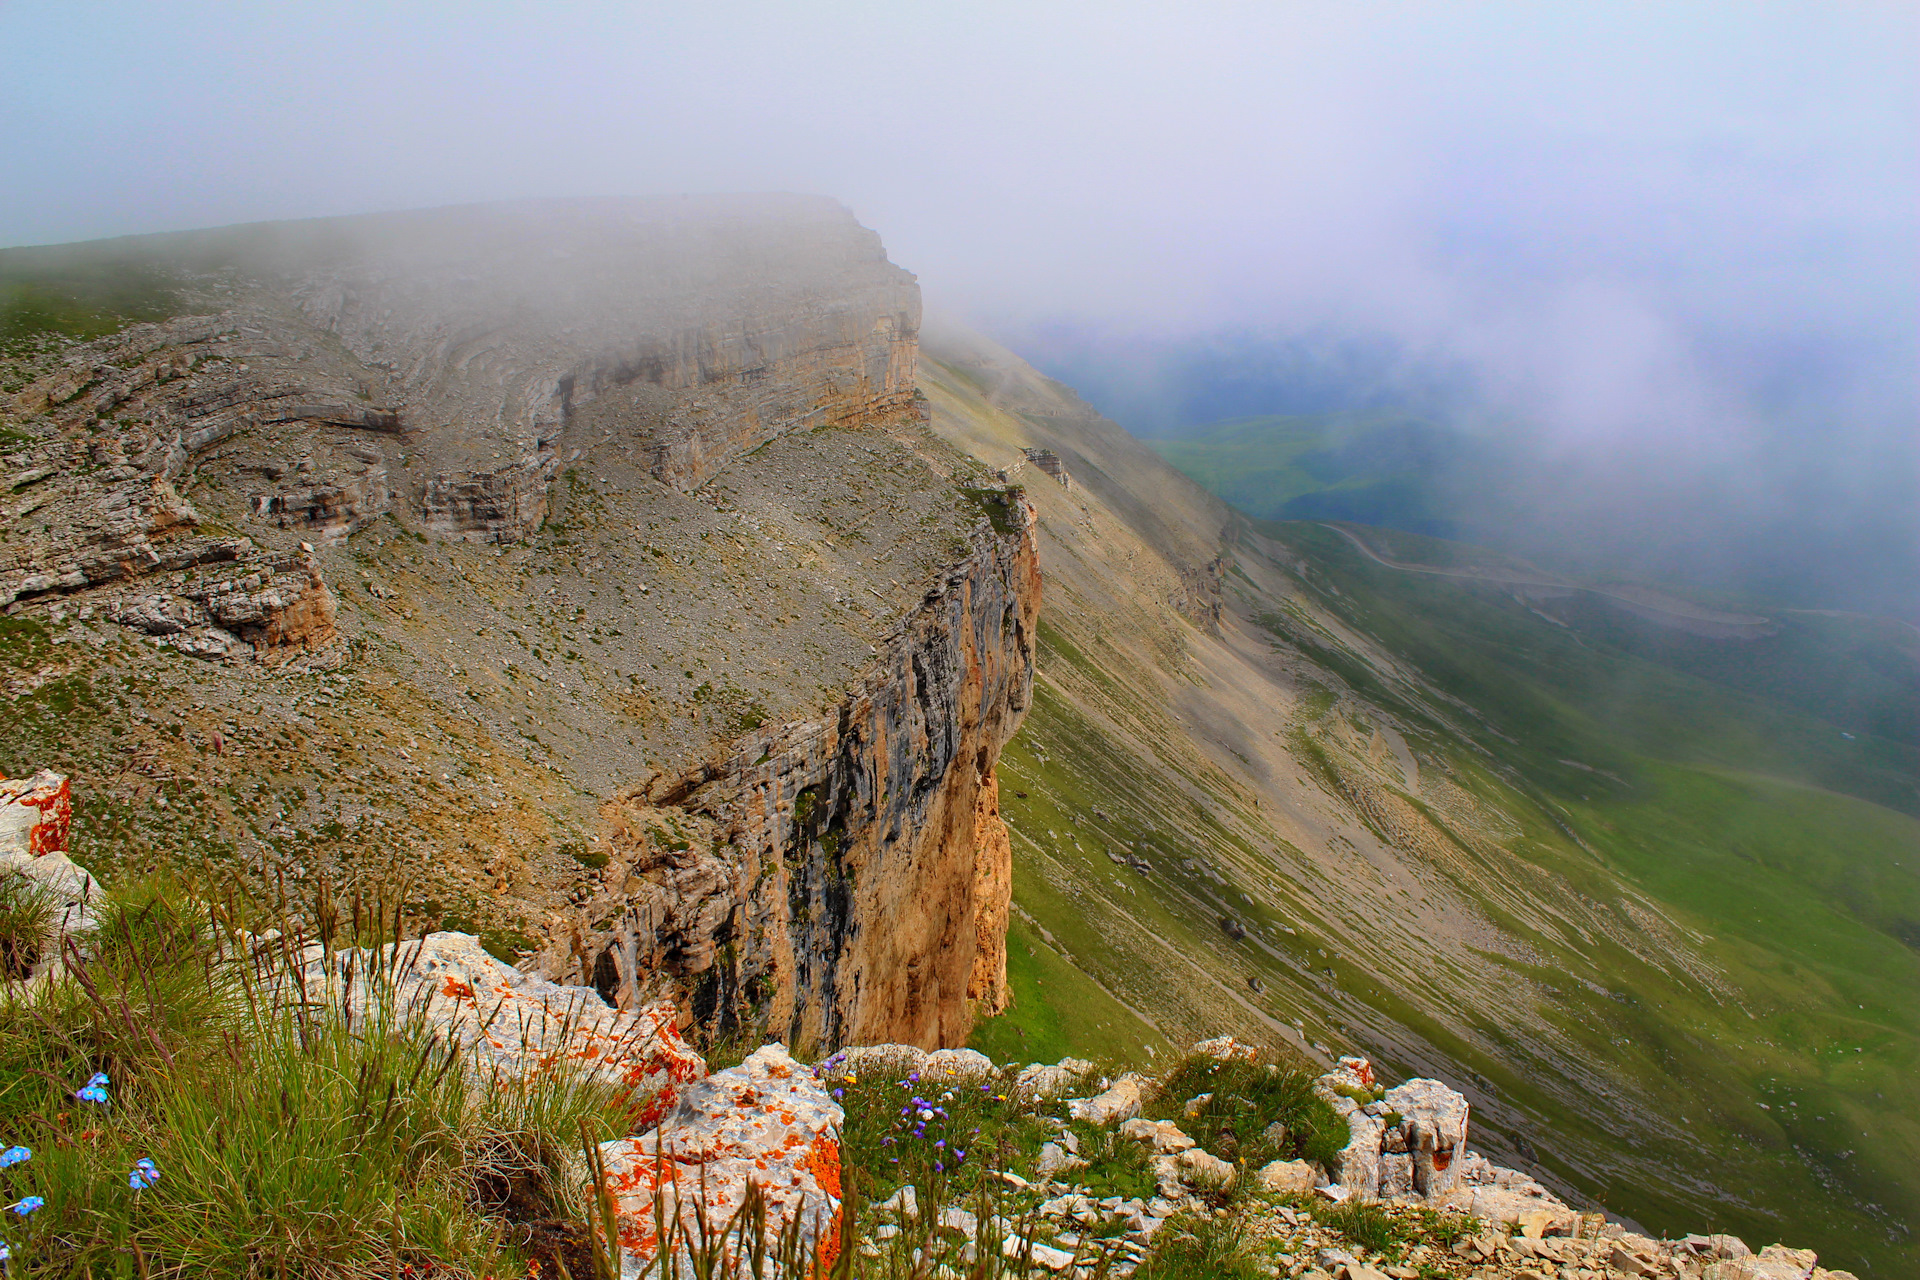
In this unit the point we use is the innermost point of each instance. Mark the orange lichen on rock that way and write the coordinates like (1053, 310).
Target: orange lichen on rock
(723, 1137)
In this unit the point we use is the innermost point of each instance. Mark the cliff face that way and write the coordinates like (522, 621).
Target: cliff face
(848, 879)
(644, 624)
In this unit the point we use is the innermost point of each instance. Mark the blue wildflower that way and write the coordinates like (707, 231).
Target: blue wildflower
(144, 1174)
(6, 1253)
(14, 1155)
(94, 1090)
(26, 1205)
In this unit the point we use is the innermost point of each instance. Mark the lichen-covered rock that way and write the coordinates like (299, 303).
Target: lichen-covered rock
(766, 1121)
(508, 1022)
(1433, 1126)
(1226, 1049)
(36, 814)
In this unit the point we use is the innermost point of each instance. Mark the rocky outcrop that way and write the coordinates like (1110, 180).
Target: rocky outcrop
(1407, 1141)
(329, 510)
(274, 606)
(491, 506)
(718, 323)
(506, 1022)
(847, 879)
(36, 814)
(768, 1122)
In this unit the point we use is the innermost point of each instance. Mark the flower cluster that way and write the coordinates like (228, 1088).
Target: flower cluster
(910, 1134)
(143, 1175)
(94, 1090)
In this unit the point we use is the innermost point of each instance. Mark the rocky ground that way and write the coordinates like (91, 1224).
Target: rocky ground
(1050, 1168)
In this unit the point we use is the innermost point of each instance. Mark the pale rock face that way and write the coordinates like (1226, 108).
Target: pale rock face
(1423, 1155)
(36, 814)
(893, 796)
(883, 1059)
(957, 1066)
(67, 889)
(1054, 1160)
(1775, 1262)
(1164, 1136)
(1191, 1168)
(1120, 1102)
(1434, 1123)
(1360, 1159)
(1226, 1049)
(1038, 1081)
(507, 1021)
(1294, 1177)
(767, 1121)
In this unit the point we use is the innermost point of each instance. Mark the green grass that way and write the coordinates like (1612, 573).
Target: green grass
(288, 1141)
(1058, 1012)
(1378, 467)
(43, 293)
(1785, 849)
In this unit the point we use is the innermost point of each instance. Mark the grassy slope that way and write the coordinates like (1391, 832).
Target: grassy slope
(1345, 466)
(1594, 984)
(1803, 894)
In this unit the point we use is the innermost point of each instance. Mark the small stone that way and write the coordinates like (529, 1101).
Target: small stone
(1291, 1177)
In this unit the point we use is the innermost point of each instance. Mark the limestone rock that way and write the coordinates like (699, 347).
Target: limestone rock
(883, 1059)
(1775, 1262)
(36, 814)
(1226, 1049)
(1164, 1136)
(957, 1066)
(766, 1121)
(1292, 1177)
(509, 1022)
(1192, 1168)
(69, 893)
(1359, 1169)
(1119, 1102)
(866, 848)
(1434, 1124)
(1054, 1160)
(1039, 1081)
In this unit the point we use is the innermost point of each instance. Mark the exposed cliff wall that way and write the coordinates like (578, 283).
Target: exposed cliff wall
(603, 491)
(845, 879)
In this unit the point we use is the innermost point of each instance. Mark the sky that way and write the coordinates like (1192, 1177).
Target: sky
(1679, 233)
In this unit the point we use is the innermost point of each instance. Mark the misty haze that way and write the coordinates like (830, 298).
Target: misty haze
(1281, 640)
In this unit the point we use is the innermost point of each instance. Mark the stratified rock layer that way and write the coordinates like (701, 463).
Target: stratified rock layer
(843, 880)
